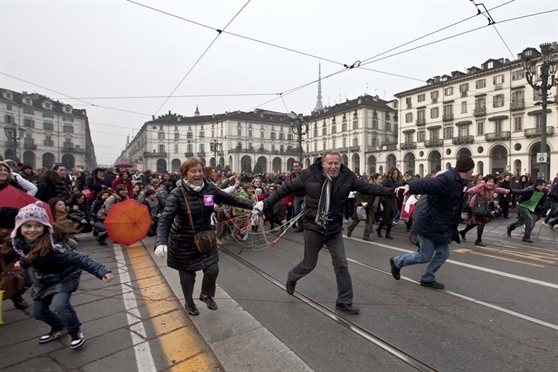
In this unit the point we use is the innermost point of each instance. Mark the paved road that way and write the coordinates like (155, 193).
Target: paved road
(499, 312)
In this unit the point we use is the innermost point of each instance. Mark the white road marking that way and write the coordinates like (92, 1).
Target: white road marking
(144, 360)
(474, 267)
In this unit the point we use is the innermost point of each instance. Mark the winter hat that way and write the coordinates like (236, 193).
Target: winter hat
(26, 166)
(32, 213)
(464, 163)
(7, 217)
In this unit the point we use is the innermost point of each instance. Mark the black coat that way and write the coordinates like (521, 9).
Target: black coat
(526, 194)
(389, 202)
(46, 190)
(312, 180)
(174, 229)
(60, 270)
(438, 218)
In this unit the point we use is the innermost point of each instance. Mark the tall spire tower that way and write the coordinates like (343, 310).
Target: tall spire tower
(319, 106)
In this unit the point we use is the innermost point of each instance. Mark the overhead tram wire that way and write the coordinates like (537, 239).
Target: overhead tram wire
(492, 22)
(185, 96)
(387, 51)
(77, 99)
(219, 32)
(238, 35)
(364, 62)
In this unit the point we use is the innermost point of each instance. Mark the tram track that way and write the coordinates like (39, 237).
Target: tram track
(451, 293)
(380, 342)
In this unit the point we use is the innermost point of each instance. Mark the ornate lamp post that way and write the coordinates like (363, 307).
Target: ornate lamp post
(14, 135)
(299, 128)
(216, 147)
(548, 80)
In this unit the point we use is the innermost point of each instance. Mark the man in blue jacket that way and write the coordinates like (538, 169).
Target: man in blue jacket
(436, 222)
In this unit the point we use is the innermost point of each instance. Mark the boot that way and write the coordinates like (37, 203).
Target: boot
(379, 229)
(480, 229)
(388, 231)
(101, 239)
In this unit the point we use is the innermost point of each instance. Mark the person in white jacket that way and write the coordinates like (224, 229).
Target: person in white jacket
(27, 186)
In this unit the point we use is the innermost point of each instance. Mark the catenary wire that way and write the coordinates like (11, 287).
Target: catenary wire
(238, 35)
(183, 96)
(203, 54)
(404, 51)
(77, 99)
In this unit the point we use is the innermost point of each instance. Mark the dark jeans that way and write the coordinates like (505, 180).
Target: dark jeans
(349, 207)
(188, 279)
(505, 205)
(289, 211)
(313, 243)
(65, 315)
(368, 226)
(523, 218)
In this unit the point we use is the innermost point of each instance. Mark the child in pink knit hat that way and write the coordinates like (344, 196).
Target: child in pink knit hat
(57, 270)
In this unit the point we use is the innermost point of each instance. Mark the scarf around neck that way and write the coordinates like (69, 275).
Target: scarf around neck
(322, 216)
(192, 187)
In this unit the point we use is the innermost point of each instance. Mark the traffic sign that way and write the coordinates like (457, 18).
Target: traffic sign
(541, 157)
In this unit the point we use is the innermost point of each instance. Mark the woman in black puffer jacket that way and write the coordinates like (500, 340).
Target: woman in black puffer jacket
(175, 232)
(392, 180)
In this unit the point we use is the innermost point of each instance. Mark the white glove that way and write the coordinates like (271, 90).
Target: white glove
(161, 251)
(259, 206)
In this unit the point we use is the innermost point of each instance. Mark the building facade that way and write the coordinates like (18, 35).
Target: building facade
(364, 130)
(260, 141)
(490, 113)
(38, 131)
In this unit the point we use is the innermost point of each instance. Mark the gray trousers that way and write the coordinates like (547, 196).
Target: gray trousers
(313, 243)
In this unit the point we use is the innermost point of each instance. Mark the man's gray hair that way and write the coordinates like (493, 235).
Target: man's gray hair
(330, 152)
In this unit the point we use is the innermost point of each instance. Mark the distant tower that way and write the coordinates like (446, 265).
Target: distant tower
(197, 113)
(319, 106)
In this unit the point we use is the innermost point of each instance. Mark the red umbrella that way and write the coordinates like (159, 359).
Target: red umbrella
(15, 198)
(128, 222)
(124, 164)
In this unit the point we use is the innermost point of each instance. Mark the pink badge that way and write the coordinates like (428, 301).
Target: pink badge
(208, 200)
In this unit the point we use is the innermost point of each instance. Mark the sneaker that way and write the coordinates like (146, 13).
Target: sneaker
(527, 240)
(395, 272)
(545, 223)
(54, 334)
(290, 287)
(395, 222)
(434, 285)
(347, 308)
(78, 339)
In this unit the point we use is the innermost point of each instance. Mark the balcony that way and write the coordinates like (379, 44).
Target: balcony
(48, 143)
(479, 111)
(201, 154)
(536, 132)
(29, 144)
(518, 104)
(464, 93)
(390, 145)
(498, 86)
(447, 117)
(147, 154)
(421, 122)
(189, 154)
(354, 148)
(434, 99)
(438, 142)
(408, 145)
(460, 140)
(74, 150)
(372, 148)
(497, 136)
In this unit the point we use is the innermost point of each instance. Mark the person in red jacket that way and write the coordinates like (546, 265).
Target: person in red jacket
(124, 178)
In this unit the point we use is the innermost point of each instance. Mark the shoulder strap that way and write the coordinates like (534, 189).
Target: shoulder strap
(188, 209)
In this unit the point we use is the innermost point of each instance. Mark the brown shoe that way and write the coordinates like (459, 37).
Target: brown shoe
(211, 305)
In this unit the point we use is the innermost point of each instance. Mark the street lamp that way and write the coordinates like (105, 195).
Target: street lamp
(299, 128)
(547, 70)
(14, 135)
(216, 147)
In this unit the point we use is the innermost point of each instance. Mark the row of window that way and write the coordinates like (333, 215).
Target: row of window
(518, 102)
(464, 130)
(201, 148)
(334, 144)
(30, 123)
(497, 81)
(30, 111)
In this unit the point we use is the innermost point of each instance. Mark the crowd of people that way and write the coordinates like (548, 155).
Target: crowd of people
(187, 205)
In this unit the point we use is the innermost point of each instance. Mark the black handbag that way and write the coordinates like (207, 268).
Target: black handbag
(481, 208)
(205, 241)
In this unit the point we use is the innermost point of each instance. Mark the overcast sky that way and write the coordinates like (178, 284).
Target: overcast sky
(88, 49)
